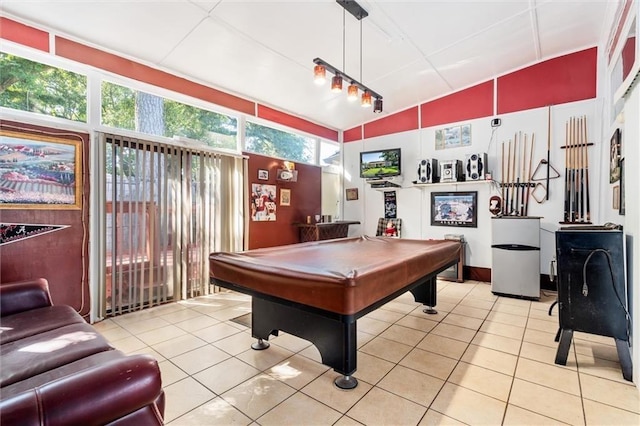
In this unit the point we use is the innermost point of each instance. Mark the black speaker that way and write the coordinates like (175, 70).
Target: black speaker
(427, 171)
(591, 288)
(476, 166)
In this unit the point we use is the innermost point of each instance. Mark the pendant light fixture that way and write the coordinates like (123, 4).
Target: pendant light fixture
(352, 92)
(339, 76)
(319, 74)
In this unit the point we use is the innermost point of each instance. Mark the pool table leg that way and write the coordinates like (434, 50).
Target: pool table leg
(334, 338)
(426, 293)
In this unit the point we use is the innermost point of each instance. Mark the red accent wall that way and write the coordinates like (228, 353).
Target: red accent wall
(628, 56)
(354, 134)
(296, 123)
(24, 34)
(467, 104)
(394, 123)
(568, 78)
(57, 256)
(306, 200)
(125, 67)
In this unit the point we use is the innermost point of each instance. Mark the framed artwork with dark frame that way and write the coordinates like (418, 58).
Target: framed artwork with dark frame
(621, 211)
(454, 209)
(614, 157)
(285, 197)
(352, 194)
(40, 172)
(263, 174)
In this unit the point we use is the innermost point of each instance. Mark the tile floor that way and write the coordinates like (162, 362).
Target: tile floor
(481, 360)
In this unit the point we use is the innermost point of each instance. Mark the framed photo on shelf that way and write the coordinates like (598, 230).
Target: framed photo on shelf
(40, 172)
(285, 197)
(263, 174)
(352, 194)
(454, 209)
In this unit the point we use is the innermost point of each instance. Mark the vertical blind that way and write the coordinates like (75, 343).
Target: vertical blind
(166, 208)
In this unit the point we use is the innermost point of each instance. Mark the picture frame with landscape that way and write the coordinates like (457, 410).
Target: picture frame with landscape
(40, 171)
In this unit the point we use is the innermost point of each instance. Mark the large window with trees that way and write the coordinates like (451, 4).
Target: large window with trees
(278, 143)
(125, 108)
(35, 87)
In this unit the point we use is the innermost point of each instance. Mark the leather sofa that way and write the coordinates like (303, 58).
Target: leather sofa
(56, 369)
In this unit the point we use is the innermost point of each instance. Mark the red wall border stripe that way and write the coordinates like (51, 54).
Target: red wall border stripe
(296, 123)
(24, 34)
(109, 62)
(567, 78)
(394, 123)
(352, 135)
(467, 104)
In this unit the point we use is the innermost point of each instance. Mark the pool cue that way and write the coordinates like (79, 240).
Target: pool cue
(506, 204)
(526, 205)
(548, 148)
(586, 162)
(502, 178)
(581, 165)
(516, 174)
(574, 209)
(524, 166)
(567, 196)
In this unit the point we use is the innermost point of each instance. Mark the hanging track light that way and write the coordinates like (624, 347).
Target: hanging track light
(322, 67)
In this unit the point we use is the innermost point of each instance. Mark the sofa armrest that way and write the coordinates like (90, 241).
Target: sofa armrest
(98, 395)
(23, 296)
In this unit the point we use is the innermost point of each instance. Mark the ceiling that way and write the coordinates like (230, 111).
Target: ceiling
(262, 50)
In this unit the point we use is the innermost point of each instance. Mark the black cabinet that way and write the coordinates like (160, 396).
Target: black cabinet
(591, 288)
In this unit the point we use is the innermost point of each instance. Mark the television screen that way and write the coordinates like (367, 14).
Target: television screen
(381, 163)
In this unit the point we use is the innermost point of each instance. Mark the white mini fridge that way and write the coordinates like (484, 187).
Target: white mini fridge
(515, 256)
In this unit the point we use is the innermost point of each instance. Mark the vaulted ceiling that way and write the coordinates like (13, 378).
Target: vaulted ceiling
(412, 51)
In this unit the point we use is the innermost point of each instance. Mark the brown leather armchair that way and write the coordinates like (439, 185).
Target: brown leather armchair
(57, 369)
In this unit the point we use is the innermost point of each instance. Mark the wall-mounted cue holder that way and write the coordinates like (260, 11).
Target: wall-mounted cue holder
(516, 202)
(576, 179)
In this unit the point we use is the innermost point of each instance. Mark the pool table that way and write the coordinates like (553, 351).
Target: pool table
(318, 290)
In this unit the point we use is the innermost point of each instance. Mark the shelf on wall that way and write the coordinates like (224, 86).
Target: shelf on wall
(465, 182)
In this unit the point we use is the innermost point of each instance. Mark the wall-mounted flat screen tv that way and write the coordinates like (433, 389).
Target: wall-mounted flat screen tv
(380, 164)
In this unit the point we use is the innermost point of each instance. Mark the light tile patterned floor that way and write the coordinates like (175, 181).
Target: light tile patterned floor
(481, 360)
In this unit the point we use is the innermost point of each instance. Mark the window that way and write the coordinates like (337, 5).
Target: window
(278, 143)
(125, 108)
(34, 87)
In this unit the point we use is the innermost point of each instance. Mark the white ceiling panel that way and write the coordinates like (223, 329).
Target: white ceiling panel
(489, 54)
(145, 30)
(434, 25)
(558, 23)
(412, 51)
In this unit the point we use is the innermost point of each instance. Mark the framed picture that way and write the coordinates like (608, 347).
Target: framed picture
(622, 209)
(285, 197)
(263, 174)
(454, 209)
(453, 137)
(614, 157)
(616, 197)
(352, 194)
(40, 172)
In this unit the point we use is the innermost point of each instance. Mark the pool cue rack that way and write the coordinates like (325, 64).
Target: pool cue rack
(577, 208)
(516, 184)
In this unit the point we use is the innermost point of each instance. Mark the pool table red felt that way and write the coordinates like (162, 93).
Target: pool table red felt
(343, 276)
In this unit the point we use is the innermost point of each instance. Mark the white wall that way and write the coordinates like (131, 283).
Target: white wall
(631, 152)
(414, 203)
